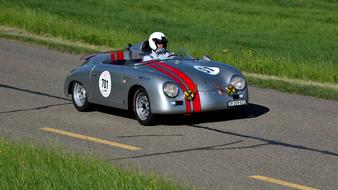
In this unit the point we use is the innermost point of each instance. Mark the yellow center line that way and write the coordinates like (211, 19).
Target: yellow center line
(92, 139)
(281, 182)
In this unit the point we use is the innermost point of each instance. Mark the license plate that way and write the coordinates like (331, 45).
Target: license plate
(236, 103)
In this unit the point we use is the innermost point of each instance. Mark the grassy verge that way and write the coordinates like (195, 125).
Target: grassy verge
(31, 167)
(310, 88)
(60, 44)
(294, 39)
(284, 86)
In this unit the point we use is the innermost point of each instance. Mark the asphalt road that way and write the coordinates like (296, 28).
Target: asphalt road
(280, 136)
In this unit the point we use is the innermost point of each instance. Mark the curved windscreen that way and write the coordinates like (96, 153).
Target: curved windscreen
(182, 53)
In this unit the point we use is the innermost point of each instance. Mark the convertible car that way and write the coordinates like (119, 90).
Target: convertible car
(179, 84)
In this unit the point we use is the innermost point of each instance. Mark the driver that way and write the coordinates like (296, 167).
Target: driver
(158, 43)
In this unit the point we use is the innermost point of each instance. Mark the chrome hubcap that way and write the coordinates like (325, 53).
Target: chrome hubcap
(142, 106)
(79, 94)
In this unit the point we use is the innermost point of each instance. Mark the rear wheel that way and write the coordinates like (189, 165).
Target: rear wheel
(79, 97)
(141, 106)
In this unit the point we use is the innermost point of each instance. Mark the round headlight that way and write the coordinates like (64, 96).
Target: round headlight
(238, 82)
(170, 89)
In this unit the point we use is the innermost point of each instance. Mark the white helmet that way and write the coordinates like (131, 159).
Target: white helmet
(157, 37)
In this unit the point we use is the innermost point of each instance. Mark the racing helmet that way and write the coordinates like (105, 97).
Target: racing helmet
(155, 38)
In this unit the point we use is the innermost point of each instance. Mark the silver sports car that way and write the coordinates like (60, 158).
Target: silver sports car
(180, 84)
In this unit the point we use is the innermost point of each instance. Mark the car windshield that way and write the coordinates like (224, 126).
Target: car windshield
(177, 54)
(182, 53)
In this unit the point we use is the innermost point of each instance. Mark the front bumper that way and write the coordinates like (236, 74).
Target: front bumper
(209, 101)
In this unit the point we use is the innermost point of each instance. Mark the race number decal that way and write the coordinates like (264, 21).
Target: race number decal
(208, 70)
(105, 84)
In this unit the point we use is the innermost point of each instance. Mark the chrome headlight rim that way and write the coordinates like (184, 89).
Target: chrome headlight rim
(238, 82)
(170, 89)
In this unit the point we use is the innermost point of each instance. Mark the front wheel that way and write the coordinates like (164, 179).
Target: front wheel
(79, 97)
(141, 106)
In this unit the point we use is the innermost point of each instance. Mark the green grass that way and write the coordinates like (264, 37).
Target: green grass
(290, 38)
(309, 90)
(25, 166)
(51, 45)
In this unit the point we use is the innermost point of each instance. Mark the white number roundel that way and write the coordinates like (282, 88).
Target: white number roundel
(105, 83)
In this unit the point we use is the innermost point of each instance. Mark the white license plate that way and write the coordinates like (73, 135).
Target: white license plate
(236, 103)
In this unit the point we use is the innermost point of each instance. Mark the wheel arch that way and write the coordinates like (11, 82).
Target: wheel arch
(131, 93)
(71, 86)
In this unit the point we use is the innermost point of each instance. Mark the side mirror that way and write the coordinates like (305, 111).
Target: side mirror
(206, 58)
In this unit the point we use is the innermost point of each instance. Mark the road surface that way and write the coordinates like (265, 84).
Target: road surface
(281, 141)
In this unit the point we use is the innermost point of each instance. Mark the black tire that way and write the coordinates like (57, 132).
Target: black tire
(79, 97)
(141, 108)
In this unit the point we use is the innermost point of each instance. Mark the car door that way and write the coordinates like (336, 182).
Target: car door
(105, 82)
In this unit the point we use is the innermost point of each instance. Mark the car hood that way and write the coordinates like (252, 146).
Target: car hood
(206, 75)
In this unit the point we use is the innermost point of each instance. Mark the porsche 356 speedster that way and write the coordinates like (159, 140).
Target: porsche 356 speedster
(180, 84)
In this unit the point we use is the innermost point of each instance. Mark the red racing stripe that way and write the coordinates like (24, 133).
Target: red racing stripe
(187, 103)
(112, 57)
(120, 55)
(190, 83)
